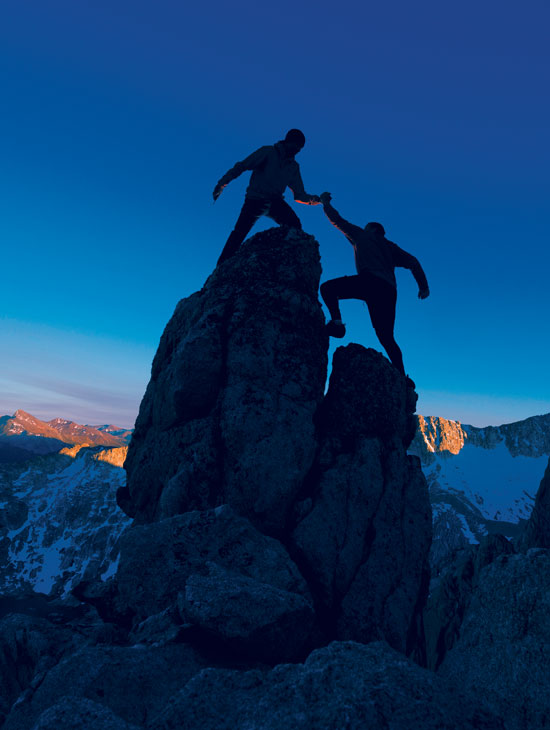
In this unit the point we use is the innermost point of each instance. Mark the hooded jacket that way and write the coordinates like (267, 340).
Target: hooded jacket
(272, 173)
(375, 254)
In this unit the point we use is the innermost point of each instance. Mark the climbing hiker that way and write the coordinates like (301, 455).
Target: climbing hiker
(374, 283)
(273, 170)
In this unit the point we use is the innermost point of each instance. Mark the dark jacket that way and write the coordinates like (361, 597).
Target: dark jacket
(375, 254)
(272, 173)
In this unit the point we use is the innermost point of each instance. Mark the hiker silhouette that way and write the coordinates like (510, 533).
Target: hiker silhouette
(273, 170)
(374, 283)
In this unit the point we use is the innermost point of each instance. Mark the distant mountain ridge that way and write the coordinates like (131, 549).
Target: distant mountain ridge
(530, 437)
(23, 435)
(481, 480)
(125, 433)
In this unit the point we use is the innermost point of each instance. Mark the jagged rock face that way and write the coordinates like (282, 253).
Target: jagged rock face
(503, 654)
(451, 595)
(364, 542)
(439, 434)
(345, 685)
(537, 529)
(235, 414)
(115, 457)
(361, 537)
(238, 376)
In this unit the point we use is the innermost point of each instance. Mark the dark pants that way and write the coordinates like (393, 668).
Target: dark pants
(253, 208)
(381, 298)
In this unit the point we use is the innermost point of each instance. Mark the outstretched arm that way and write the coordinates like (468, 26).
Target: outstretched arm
(407, 261)
(300, 195)
(348, 229)
(249, 163)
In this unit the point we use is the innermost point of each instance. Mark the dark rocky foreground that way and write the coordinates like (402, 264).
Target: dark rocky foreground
(488, 622)
(276, 571)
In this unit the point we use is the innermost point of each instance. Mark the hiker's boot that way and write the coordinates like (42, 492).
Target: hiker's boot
(336, 328)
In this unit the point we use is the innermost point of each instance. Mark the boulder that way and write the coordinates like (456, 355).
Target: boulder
(220, 556)
(131, 682)
(344, 685)
(367, 396)
(250, 617)
(77, 712)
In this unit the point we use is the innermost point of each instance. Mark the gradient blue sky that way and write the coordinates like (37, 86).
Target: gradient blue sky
(119, 117)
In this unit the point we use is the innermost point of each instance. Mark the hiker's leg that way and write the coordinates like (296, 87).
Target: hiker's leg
(345, 287)
(281, 212)
(381, 302)
(250, 212)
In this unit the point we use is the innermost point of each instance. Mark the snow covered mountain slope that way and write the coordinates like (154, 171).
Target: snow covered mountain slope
(59, 521)
(481, 480)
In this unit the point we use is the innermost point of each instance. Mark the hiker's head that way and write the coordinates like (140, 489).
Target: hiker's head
(294, 141)
(377, 229)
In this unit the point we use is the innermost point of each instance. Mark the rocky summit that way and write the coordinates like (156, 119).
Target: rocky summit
(275, 572)
(236, 414)
(228, 416)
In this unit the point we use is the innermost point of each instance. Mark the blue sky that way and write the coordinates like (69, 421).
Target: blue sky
(119, 117)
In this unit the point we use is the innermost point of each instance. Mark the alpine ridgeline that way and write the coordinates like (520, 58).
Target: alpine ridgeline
(22, 436)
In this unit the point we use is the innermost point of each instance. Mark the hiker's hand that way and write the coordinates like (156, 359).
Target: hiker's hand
(217, 191)
(423, 293)
(325, 198)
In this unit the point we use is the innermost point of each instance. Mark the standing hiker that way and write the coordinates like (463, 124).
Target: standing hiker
(273, 170)
(374, 283)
